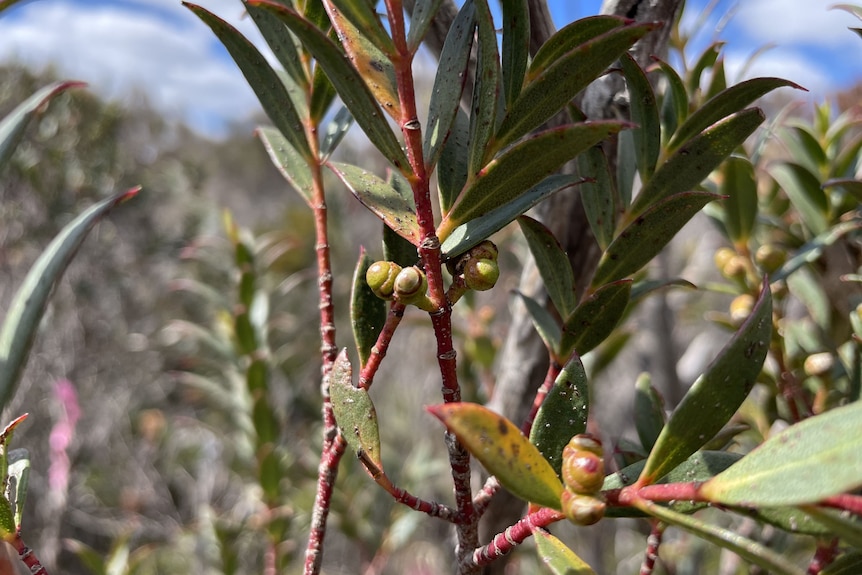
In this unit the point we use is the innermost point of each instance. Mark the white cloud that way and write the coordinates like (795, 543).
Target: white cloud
(809, 22)
(154, 46)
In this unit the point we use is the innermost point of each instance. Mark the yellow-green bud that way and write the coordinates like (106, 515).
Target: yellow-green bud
(381, 278)
(818, 363)
(583, 465)
(770, 258)
(411, 285)
(484, 251)
(740, 308)
(582, 509)
(481, 274)
(736, 267)
(722, 256)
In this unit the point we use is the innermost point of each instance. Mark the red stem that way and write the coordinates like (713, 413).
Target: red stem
(653, 543)
(483, 498)
(846, 502)
(504, 542)
(28, 557)
(326, 474)
(429, 252)
(823, 557)
(378, 352)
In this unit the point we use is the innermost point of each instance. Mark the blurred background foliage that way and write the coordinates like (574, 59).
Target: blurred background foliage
(186, 451)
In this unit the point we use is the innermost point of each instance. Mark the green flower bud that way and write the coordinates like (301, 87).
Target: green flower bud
(740, 308)
(583, 465)
(582, 509)
(411, 285)
(381, 278)
(770, 258)
(722, 256)
(481, 274)
(484, 251)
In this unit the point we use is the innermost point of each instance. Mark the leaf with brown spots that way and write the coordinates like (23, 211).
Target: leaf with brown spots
(503, 450)
(354, 412)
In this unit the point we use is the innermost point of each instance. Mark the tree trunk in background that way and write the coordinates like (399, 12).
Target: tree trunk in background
(524, 359)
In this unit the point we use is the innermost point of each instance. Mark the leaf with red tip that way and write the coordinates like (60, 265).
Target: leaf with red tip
(503, 450)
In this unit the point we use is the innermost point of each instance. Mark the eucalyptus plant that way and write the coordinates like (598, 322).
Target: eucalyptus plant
(342, 62)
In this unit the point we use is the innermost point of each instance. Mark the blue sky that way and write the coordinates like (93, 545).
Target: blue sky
(125, 48)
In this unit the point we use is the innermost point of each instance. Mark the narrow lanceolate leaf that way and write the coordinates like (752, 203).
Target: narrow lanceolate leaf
(423, 14)
(374, 66)
(694, 161)
(503, 450)
(290, 164)
(813, 249)
(716, 395)
(570, 37)
(563, 414)
(599, 195)
(363, 16)
(649, 412)
(12, 126)
(675, 105)
(724, 104)
(645, 237)
(486, 89)
(740, 207)
(354, 411)
(265, 82)
(516, 47)
(367, 311)
(544, 322)
(595, 318)
(390, 205)
(559, 559)
(809, 461)
(347, 82)
(448, 84)
(29, 302)
(849, 563)
(553, 264)
(705, 61)
(521, 167)
(555, 87)
(281, 43)
(452, 170)
(470, 234)
(751, 551)
(396, 248)
(839, 523)
(644, 110)
(335, 132)
(803, 189)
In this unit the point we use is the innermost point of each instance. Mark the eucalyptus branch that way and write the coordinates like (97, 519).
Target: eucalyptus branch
(378, 351)
(653, 544)
(504, 542)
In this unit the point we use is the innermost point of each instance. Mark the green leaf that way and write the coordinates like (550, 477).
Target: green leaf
(753, 552)
(486, 89)
(570, 37)
(553, 264)
(626, 168)
(423, 14)
(848, 564)
(4, 4)
(516, 47)
(265, 82)
(452, 171)
(805, 148)
(598, 196)
(544, 322)
(470, 234)
(595, 318)
(367, 311)
(559, 559)
(18, 483)
(563, 414)
(644, 113)
(12, 127)
(740, 207)
(692, 162)
(347, 82)
(521, 167)
(364, 17)
(448, 85)
(547, 94)
(390, 205)
(807, 462)
(503, 450)
(397, 249)
(812, 250)
(803, 189)
(706, 60)
(290, 164)
(335, 132)
(716, 395)
(841, 524)
(281, 43)
(322, 94)
(644, 238)
(354, 411)
(29, 302)
(675, 105)
(724, 104)
(373, 66)
(853, 9)
(649, 412)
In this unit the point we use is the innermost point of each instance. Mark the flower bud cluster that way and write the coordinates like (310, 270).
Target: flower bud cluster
(478, 266)
(583, 476)
(390, 281)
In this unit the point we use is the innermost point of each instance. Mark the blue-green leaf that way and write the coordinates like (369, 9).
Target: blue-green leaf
(290, 164)
(553, 264)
